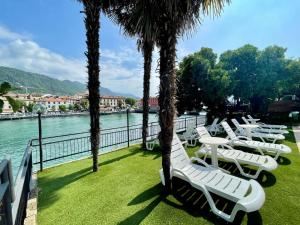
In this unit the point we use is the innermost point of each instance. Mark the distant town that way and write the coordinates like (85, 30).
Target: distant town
(53, 104)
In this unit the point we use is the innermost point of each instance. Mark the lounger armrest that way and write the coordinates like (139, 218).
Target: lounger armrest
(198, 160)
(182, 173)
(255, 200)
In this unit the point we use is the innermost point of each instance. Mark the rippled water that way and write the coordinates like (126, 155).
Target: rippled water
(15, 134)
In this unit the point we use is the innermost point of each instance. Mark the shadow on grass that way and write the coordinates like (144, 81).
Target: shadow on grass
(283, 161)
(194, 203)
(146, 195)
(139, 216)
(266, 179)
(50, 185)
(190, 200)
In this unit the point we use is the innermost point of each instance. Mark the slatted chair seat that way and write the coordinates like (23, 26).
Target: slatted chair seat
(266, 130)
(238, 157)
(248, 196)
(263, 136)
(267, 126)
(261, 147)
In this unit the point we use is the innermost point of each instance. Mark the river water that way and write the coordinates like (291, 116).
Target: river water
(14, 134)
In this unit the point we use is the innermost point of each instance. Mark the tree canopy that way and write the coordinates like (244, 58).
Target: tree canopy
(248, 74)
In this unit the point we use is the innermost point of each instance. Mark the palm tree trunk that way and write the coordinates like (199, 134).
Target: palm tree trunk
(147, 52)
(166, 100)
(92, 25)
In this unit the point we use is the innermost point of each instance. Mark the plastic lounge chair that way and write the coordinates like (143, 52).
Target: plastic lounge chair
(189, 136)
(239, 158)
(266, 130)
(261, 147)
(263, 125)
(215, 128)
(152, 141)
(262, 136)
(248, 196)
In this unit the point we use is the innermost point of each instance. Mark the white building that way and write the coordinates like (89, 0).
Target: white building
(112, 101)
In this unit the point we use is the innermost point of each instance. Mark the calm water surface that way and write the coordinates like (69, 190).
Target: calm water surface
(15, 134)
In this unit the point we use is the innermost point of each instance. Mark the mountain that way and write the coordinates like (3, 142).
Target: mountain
(38, 83)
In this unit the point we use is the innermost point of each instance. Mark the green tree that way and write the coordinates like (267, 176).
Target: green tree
(77, 107)
(242, 66)
(84, 104)
(71, 107)
(16, 104)
(62, 108)
(29, 107)
(53, 108)
(5, 87)
(200, 80)
(130, 101)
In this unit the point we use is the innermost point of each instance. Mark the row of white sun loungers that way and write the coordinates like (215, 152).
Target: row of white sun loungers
(248, 195)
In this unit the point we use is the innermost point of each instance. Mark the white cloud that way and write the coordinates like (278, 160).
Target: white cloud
(121, 71)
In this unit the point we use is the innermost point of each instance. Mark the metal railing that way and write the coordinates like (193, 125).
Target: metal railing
(59, 149)
(14, 195)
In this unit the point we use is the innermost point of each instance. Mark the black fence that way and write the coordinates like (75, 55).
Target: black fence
(59, 149)
(14, 195)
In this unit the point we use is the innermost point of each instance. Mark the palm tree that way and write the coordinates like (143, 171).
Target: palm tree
(92, 10)
(175, 18)
(135, 19)
(163, 22)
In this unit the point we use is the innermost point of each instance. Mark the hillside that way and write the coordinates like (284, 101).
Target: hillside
(38, 83)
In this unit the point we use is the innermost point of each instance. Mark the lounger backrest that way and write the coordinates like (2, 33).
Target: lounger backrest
(190, 129)
(228, 130)
(202, 132)
(250, 117)
(179, 157)
(245, 120)
(236, 123)
(215, 122)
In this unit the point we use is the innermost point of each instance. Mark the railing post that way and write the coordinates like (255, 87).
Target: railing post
(196, 121)
(185, 122)
(40, 140)
(128, 138)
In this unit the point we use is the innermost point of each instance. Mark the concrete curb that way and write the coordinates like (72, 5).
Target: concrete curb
(31, 211)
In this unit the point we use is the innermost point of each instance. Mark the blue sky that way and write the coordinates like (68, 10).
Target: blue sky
(47, 36)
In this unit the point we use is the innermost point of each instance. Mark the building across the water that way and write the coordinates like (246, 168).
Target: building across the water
(152, 102)
(112, 101)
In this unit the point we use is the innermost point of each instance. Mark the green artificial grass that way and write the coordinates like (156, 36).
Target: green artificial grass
(126, 190)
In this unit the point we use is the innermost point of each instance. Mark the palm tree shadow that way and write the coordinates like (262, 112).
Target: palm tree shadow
(146, 195)
(139, 216)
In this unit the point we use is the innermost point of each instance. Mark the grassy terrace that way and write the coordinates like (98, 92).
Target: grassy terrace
(126, 191)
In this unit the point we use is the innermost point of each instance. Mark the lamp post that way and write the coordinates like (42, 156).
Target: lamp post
(40, 109)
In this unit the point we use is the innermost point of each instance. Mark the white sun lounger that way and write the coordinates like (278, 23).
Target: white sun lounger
(261, 147)
(262, 136)
(248, 196)
(215, 128)
(266, 130)
(189, 136)
(263, 125)
(239, 158)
